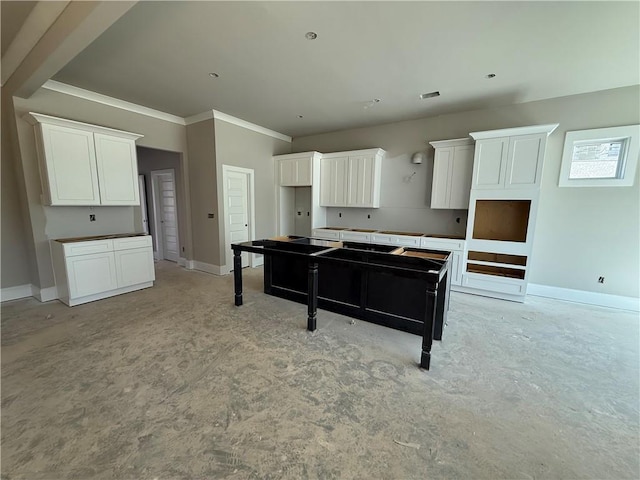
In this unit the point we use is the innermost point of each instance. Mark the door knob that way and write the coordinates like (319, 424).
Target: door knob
(246, 225)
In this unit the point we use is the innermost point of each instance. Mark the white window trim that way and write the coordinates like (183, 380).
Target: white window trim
(630, 156)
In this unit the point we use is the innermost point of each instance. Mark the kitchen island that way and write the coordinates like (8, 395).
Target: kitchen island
(402, 288)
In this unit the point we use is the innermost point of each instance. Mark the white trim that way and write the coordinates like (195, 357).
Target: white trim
(183, 262)
(200, 117)
(14, 293)
(78, 92)
(205, 267)
(456, 142)
(249, 126)
(582, 296)
(34, 118)
(45, 294)
(510, 132)
(352, 153)
(111, 101)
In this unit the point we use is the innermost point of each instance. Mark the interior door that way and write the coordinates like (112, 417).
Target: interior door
(167, 214)
(237, 192)
(143, 204)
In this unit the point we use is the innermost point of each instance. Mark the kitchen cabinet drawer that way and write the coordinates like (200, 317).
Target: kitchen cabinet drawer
(399, 240)
(435, 243)
(382, 239)
(84, 248)
(355, 236)
(132, 242)
(326, 234)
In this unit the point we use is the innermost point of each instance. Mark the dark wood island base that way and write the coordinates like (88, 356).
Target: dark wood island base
(402, 288)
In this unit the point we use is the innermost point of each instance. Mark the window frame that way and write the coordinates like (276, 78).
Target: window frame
(628, 161)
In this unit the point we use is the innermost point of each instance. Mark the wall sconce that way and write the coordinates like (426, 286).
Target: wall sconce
(418, 158)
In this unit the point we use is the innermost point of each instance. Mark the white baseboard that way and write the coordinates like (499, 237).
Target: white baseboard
(45, 294)
(204, 267)
(257, 260)
(182, 261)
(582, 296)
(14, 293)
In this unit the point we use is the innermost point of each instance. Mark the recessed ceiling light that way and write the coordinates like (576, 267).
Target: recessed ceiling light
(429, 95)
(311, 35)
(491, 75)
(300, 116)
(214, 75)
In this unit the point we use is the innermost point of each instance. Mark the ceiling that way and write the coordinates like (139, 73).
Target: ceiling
(160, 55)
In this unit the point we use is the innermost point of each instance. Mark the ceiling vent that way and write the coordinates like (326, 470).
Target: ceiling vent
(429, 95)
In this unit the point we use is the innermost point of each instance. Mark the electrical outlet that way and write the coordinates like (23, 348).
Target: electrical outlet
(340, 214)
(368, 216)
(600, 279)
(210, 215)
(183, 249)
(92, 217)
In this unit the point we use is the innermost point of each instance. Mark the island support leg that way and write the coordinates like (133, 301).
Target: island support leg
(429, 324)
(237, 276)
(312, 296)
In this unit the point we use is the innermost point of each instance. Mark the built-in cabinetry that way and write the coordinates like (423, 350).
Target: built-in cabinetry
(351, 179)
(298, 193)
(82, 164)
(452, 170)
(91, 269)
(453, 245)
(503, 206)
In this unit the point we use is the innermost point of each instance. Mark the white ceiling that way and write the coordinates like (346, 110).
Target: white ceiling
(160, 53)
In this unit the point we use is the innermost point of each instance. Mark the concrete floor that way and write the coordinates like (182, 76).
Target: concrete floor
(174, 382)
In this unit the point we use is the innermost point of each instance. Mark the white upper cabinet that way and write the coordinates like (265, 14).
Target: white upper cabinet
(70, 164)
(351, 179)
(452, 169)
(84, 164)
(511, 158)
(295, 171)
(117, 170)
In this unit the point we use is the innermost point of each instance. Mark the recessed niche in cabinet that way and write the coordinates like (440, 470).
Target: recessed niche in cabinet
(497, 271)
(498, 258)
(503, 220)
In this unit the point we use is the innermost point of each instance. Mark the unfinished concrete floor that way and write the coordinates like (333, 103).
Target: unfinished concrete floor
(175, 382)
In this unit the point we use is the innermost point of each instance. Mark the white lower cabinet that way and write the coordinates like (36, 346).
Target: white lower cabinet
(326, 233)
(134, 266)
(453, 245)
(91, 274)
(99, 267)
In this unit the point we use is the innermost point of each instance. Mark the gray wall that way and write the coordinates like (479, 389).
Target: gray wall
(150, 159)
(240, 147)
(15, 260)
(581, 233)
(56, 222)
(204, 199)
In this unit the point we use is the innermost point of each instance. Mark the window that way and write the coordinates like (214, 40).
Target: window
(605, 157)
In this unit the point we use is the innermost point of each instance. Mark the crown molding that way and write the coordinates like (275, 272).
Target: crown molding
(150, 112)
(199, 117)
(510, 132)
(111, 101)
(249, 126)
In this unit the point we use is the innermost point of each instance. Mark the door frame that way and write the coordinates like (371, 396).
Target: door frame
(142, 186)
(251, 206)
(157, 224)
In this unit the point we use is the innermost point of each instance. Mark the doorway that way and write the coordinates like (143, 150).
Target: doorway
(239, 207)
(165, 211)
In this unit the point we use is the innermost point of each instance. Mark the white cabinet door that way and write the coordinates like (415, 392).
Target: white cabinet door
(304, 172)
(69, 155)
(134, 266)
(490, 163)
(461, 171)
(361, 178)
(442, 174)
(117, 170)
(524, 165)
(333, 182)
(91, 274)
(286, 169)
